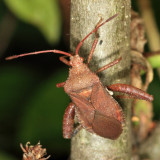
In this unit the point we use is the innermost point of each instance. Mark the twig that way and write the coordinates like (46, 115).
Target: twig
(114, 38)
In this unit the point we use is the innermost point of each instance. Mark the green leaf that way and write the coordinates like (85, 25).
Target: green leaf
(154, 61)
(44, 14)
(42, 117)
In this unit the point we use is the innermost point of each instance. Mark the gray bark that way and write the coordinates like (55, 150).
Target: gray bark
(115, 43)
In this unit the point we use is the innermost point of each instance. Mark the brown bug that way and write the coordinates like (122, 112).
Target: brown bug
(96, 110)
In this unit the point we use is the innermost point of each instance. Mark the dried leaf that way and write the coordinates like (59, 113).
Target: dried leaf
(137, 32)
(143, 110)
(33, 152)
(138, 59)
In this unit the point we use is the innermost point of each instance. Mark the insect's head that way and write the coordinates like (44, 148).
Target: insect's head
(76, 61)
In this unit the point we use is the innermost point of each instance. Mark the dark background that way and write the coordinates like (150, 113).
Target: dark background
(31, 107)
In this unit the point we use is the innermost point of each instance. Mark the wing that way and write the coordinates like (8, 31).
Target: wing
(108, 116)
(105, 104)
(84, 111)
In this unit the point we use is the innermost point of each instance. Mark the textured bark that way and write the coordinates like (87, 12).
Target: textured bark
(114, 41)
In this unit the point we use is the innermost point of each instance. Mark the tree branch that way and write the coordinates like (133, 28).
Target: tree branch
(115, 43)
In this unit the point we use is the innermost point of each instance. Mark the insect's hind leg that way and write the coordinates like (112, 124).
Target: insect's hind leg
(130, 90)
(109, 65)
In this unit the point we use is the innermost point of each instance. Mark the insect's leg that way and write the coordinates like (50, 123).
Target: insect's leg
(68, 121)
(94, 43)
(126, 97)
(109, 65)
(64, 60)
(60, 84)
(76, 130)
(133, 91)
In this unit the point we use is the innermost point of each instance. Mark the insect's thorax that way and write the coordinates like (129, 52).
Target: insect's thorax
(80, 78)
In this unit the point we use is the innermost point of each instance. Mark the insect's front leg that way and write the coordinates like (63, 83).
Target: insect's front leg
(68, 121)
(64, 60)
(60, 84)
(132, 91)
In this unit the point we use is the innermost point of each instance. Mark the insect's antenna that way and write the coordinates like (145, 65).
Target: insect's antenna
(80, 44)
(38, 52)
